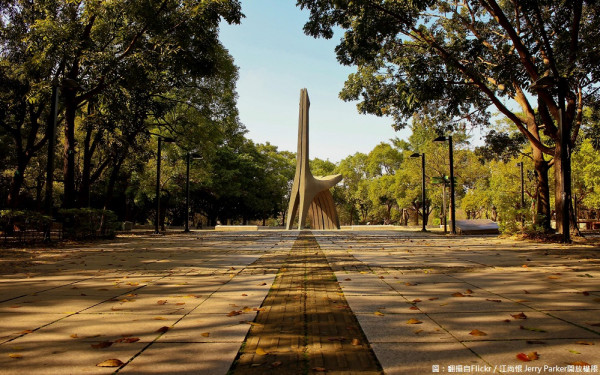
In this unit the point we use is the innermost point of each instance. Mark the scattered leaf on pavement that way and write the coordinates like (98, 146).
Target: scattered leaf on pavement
(457, 294)
(74, 336)
(163, 329)
(128, 340)
(584, 343)
(574, 351)
(477, 332)
(413, 308)
(413, 321)
(523, 357)
(102, 345)
(579, 363)
(379, 313)
(161, 301)
(493, 300)
(355, 342)
(110, 363)
(276, 364)
(261, 351)
(205, 334)
(15, 355)
(519, 316)
(532, 329)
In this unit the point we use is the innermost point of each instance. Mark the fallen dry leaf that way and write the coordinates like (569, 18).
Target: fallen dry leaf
(110, 363)
(523, 357)
(416, 300)
(519, 316)
(74, 336)
(261, 351)
(180, 303)
(276, 364)
(379, 313)
(347, 279)
(413, 321)
(162, 329)
(102, 345)
(468, 291)
(159, 318)
(533, 356)
(433, 298)
(205, 334)
(584, 343)
(457, 294)
(477, 332)
(244, 295)
(532, 329)
(234, 313)
(161, 302)
(355, 342)
(413, 308)
(128, 340)
(15, 355)
(493, 300)
(26, 331)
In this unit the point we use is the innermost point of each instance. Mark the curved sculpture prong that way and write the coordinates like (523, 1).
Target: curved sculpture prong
(310, 195)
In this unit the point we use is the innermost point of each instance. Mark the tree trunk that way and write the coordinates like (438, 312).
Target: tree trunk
(543, 215)
(15, 186)
(69, 149)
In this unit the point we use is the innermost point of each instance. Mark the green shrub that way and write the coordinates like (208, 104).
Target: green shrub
(23, 220)
(81, 223)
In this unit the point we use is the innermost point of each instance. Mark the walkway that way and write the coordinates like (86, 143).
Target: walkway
(283, 303)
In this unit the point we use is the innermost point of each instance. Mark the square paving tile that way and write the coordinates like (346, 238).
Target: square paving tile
(503, 326)
(174, 358)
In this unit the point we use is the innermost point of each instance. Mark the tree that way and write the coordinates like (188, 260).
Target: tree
(464, 57)
(95, 48)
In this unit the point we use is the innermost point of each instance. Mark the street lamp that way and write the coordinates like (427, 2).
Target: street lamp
(520, 165)
(422, 155)
(189, 156)
(158, 157)
(451, 156)
(560, 83)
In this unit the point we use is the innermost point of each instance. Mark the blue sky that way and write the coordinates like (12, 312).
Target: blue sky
(276, 59)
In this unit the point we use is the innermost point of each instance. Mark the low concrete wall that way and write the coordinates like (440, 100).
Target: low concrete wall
(236, 228)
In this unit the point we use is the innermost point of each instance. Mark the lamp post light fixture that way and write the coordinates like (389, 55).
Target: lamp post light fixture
(452, 202)
(561, 85)
(520, 165)
(190, 155)
(158, 159)
(422, 155)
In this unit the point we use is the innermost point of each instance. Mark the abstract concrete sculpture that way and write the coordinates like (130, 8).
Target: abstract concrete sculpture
(310, 194)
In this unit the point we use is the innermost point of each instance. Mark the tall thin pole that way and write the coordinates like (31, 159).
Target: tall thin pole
(187, 194)
(565, 161)
(51, 133)
(423, 205)
(452, 202)
(156, 231)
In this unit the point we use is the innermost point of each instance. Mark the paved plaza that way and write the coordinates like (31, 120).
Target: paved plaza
(289, 302)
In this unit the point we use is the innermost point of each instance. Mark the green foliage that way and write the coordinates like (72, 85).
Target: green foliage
(79, 223)
(24, 220)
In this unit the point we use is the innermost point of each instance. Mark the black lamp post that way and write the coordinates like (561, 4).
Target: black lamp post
(520, 165)
(422, 155)
(187, 189)
(451, 156)
(560, 83)
(158, 157)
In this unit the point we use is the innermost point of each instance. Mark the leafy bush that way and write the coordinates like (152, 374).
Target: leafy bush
(23, 220)
(88, 223)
